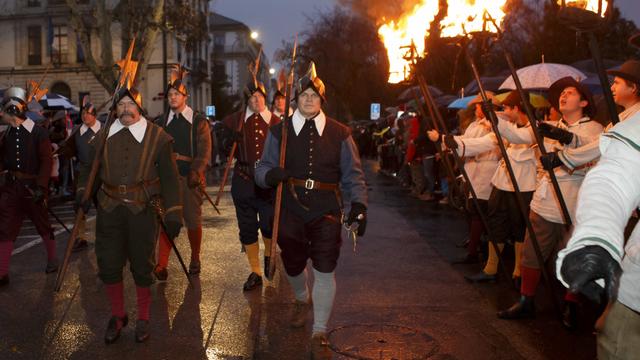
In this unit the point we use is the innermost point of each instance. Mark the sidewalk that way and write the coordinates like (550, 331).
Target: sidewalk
(397, 298)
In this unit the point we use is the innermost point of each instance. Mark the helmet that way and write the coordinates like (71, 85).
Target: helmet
(14, 102)
(312, 81)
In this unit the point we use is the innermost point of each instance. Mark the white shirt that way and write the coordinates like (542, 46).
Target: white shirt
(187, 113)
(609, 194)
(137, 130)
(265, 115)
(28, 125)
(299, 120)
(480, 166)
(95, 128)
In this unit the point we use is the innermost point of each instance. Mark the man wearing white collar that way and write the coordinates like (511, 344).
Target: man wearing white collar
(77, 145)
(137, 166)
(25, 168)
(192, 146)
(254, 206)
(321, 161)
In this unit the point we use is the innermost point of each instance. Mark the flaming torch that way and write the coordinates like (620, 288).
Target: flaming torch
(588, 16)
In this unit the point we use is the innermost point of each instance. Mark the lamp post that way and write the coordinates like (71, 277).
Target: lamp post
(588, 16)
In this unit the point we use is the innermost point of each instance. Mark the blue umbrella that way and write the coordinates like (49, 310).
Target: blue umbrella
(461, 103)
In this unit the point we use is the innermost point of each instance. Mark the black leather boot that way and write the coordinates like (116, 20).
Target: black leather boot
(523, 309)
(113, 331)
(142, 331)
(267, 262)
(252, 282)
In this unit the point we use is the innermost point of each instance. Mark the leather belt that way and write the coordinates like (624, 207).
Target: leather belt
(311, 184)
(183, 158)
(129, 189)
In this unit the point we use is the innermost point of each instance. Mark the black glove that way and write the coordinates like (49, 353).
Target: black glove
(550, 161)
(39, 195)
(173, 229)
(450, 142)
(358, 213)
(79, 204)
(276, 175)
(487, 108)
(582, 267)
(556, 133)
(193, 179)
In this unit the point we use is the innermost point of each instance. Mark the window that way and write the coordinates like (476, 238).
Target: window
(79, 52)
(218, 42)
(33, 3)
(34, 34)
(59, 46)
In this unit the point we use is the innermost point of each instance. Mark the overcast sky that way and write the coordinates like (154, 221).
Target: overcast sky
(278, 20)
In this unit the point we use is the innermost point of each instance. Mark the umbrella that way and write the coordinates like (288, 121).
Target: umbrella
(35, 116)
(537, 100)
(541, 76)
(490, 83)
(588, 66)
(57, 102)
(408, 94)
(461, 103)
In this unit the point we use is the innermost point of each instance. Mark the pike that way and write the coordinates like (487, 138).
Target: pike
(514, 181)
(283, 154)
(424, 87)
(532, 121)
(128, 72)
(234, 147)
(204, 193)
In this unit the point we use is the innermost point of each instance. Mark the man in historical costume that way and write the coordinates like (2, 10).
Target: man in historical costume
(321, 161)
(597, 255)
(480, 167)
(137, 167)
(192, 146)
(575, 102)
(25, 168)
(254, 205)
(626, 93)
(77, 145)
(278, 103)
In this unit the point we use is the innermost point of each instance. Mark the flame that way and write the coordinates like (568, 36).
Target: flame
(589, 5)
(413, 27)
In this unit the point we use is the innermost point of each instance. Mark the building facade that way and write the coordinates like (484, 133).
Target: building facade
(38, 35)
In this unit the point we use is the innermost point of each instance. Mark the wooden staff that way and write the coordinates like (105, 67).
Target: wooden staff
(282, 161)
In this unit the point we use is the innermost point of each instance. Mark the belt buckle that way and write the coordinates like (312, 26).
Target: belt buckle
(122, 189)
(308, 184)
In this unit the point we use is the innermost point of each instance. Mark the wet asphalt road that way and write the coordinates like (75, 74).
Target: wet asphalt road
(398, 298)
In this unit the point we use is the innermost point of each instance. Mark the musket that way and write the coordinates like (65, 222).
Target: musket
(204, 193)
(234, 147)
(532, 121)
(442, 129)
(127, 76)
(514, 181)
(283, 155)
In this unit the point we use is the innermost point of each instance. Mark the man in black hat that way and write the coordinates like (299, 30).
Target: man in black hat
(574, 101)
(192, 145)
(254, 205)
(137, 168)
(25, 168)
(321, 160)
(77, 145)
(626, 93)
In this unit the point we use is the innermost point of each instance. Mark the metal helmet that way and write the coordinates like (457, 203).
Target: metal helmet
(254, 86)
(14, 102)
(312, 81)
(178, 75)
(280, 86)
(88, 106)
(133, 94)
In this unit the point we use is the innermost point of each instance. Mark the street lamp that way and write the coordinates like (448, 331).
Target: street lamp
(588, 16)
(255, 35)
(272, 71)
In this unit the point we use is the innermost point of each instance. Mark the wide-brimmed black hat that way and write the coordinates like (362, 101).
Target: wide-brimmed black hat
(514, 99)
(630, 70)
(556, 89)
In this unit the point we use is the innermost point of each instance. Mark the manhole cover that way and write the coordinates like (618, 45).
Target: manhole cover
(382, 341)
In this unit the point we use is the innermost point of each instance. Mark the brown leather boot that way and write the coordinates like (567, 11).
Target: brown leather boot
(299, 315)
(320, 347)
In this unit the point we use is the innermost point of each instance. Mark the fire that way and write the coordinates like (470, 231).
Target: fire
(413, 27)
(589, 5)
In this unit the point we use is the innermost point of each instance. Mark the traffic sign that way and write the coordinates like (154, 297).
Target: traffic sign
(375, 111)
(211, 110)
